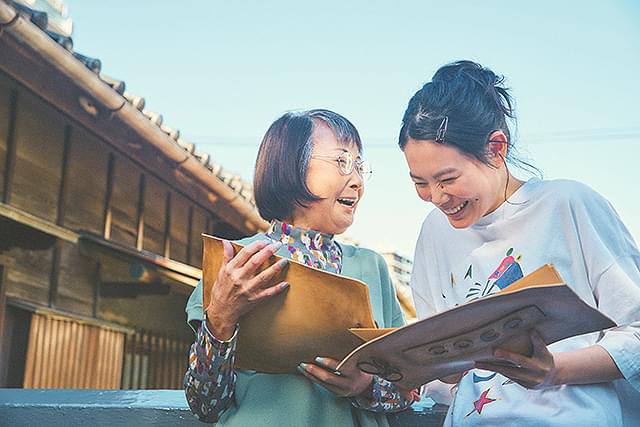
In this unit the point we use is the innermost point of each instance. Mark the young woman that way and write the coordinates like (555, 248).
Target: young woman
(309, 179)
(490, 229)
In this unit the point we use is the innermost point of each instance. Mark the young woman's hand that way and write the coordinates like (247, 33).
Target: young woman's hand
(535, 372)
(238, 288)
(345, 383)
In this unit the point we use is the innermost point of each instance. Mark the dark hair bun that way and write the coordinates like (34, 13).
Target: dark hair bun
(470, 77)
(472, 98)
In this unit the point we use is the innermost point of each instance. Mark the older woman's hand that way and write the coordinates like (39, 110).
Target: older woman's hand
(238, 288)
(345, 383)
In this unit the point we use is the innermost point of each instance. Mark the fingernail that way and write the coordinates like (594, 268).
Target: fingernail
(283, 263)
(285, 285)
(276, 246)
(319, 360)
(301, 367)
(337, 373)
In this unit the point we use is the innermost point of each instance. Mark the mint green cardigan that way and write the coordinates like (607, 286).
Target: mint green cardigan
(291, 399)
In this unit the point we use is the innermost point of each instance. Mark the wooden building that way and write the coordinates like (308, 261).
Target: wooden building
(101, 211)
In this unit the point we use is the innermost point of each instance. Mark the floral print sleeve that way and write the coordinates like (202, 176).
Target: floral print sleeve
(210, 379)
(385, 397)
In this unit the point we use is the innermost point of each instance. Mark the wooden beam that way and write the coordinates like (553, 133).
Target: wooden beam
(106, 230)
(3, 310)
(132, 290)
(64, 175)
(55, 267)
(55, 273)
(37, 223)
(140, 220)
(10, 160)
(189, 235)
(167, 227)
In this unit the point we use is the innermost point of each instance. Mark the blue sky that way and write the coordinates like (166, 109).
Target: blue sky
(221, 72)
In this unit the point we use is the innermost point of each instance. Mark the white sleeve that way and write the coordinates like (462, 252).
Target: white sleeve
(618, 294)
(612, 260)
(439, 392)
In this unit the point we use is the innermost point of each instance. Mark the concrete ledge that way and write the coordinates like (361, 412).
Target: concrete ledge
(55, 407)
(24, 407)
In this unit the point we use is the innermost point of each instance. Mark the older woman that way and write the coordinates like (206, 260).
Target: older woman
(308, 182)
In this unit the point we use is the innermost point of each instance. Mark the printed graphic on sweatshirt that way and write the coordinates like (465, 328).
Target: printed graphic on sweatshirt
(507, 272)
(479, 404)
(504, 275)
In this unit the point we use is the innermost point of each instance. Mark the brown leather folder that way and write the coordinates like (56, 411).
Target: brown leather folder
(312, 318)
(450, 342)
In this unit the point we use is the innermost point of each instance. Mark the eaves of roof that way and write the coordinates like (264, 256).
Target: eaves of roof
(44, 61)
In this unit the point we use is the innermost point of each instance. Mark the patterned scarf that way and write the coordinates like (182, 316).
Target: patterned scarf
(308, 247)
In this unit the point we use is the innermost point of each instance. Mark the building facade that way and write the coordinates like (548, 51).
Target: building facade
(102, 207)
(400, 268)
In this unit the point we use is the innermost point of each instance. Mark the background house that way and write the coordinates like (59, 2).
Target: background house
(101, 211)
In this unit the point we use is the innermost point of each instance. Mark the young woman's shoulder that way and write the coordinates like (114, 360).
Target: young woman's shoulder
(574, 193)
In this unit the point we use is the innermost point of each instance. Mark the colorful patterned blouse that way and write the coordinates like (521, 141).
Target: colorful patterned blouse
(210, 379)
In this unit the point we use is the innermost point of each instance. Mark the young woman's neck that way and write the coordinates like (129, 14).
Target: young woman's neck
(512, 185)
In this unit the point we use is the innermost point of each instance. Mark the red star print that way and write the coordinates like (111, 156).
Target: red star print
(479, 404)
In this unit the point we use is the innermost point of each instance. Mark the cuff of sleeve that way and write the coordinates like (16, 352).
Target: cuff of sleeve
(220, 346)
(440, 392)
(625, 356)
(368, 399)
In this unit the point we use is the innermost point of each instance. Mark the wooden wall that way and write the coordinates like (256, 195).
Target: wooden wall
(86, 183)
(55, 169)
(154, 361)
(155, 215)
(65, 353)
(59, 171)
(39, 140)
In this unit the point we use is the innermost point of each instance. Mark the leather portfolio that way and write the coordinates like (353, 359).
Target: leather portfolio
(311, 318)
(450, 342)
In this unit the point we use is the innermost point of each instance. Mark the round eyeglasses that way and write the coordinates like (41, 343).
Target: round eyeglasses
(346, 163)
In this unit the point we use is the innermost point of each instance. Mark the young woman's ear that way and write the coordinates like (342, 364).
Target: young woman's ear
(497, 147)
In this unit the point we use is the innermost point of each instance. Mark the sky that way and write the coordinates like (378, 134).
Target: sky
(221, 72)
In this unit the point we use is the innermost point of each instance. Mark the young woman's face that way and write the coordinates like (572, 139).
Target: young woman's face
(463, 188)
(340, 193)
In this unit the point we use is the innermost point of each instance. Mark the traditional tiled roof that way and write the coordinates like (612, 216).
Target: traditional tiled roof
(52, 18)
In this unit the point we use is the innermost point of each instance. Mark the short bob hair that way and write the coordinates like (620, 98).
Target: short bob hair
(283, 159)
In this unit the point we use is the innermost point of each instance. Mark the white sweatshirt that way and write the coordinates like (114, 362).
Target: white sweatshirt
(571, 226)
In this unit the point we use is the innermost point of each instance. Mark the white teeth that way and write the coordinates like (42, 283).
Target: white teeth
(347, 202)
(456, 209)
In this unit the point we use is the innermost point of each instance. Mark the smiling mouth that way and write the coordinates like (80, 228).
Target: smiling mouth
(456, 209)
(347, 202)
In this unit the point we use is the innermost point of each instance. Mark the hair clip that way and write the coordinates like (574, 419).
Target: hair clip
(442, 130)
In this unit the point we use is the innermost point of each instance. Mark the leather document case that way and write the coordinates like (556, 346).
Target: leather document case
(450, 342)
(312, 318)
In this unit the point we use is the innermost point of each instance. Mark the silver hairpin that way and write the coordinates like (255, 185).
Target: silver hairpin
(442, 130)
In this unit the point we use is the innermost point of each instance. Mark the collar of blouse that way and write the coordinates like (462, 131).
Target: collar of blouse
(310, 247)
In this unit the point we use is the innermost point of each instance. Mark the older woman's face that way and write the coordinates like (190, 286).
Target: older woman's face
(340, 193)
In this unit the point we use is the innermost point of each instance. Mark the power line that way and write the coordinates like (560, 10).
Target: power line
(596, 135)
